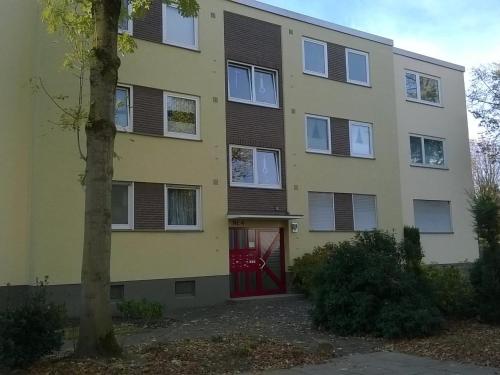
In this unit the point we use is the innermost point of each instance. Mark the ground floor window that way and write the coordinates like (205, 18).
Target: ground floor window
(182, 208)
(432, 216)
(122, 211)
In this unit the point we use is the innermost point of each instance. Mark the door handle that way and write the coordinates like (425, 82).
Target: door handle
(263, 263)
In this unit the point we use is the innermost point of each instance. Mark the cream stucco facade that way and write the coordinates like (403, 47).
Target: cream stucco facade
(41, 199)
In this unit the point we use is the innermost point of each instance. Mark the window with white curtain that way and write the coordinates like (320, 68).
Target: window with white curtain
(365, 212)
(178, 30)
(182, 208)
(321, 211)
(358, 67)
(182, 116)
(123, 108)
(252, 85)
(318, 134)
(255, 167)
(122, 205)
(361, 139)
(315, 57)
(432, 216)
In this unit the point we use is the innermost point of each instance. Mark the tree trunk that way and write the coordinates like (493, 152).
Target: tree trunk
(96, 329)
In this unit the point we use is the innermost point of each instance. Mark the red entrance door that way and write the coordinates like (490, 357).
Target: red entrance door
(256, 258)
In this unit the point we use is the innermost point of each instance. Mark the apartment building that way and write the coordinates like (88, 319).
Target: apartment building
(246, 136)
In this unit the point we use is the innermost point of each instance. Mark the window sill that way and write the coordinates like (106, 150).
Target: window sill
(436, 105)
(157, 230)
(175, 136)
(314, 152)
(182, 46)
(429, 167)
(313, 74)
(441, 233)
(257, 104)
(256, 187)
(158, 136)
(358, 83)
(355, 157)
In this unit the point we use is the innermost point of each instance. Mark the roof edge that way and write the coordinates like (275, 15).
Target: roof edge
(314, 21)
(431, 60)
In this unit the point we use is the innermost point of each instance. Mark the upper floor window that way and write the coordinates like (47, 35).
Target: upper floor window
(123, 108)
(423, 88)
(427, 151)
(178, 30)
(315, 57)
(358, 67)
(361, 139)
(125, 24)
(122, 205)
(182, 119)
(255, 167)
(432, 216)
(253, 85)
(318, 134)
(182, 208)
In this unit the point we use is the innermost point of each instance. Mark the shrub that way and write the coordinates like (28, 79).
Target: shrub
(412, 249)
(364, 288)
(452, 291)
(307, 266)
(485, 278)
(30, 331)
(141, 310)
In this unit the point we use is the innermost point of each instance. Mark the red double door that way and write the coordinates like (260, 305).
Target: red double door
(256, 262)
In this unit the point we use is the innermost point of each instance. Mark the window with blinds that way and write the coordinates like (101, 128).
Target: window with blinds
(321, 217)
(365, 212)
(432, 216)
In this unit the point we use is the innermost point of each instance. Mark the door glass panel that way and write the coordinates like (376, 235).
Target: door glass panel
(271, 254)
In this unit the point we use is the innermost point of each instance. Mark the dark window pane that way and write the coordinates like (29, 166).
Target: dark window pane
(122, 108)
(181, 114)
(411, 86)
(416, 150)
(181, 207)
(429, 89)
(434, 152)
(123, 22)
(119, 204)
(242, 165)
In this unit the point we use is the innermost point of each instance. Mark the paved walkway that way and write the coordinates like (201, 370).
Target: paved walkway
(384, 363)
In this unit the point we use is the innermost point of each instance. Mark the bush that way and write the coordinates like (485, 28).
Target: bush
(307, 266)
(141, 310)
(452, 291)
(412, 249)
(31, 331)
(485, 278)
(364, 288)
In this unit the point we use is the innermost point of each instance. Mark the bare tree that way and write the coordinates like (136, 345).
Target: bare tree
(485, 155)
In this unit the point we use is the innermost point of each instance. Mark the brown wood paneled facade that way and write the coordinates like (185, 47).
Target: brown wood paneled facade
(252, 41)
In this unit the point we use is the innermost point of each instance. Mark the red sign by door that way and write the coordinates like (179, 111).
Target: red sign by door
(257, 264)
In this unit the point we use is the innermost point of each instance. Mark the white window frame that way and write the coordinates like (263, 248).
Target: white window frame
(130, 125)
(325, 48)
(165, 40)
(198, 226)
(333, 208)
(255, 184)
(422, 144)
(419, 98)
(253, 100)
(313, 150)
(367, 59)
(130, 225)
(170, 134)
(370, 128)
(354, 215)
(130, 23)
(452, 231)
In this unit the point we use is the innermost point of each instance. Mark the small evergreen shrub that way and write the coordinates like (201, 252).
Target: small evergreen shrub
(30, 331)
(307, 266)
(411, 249)
(365, 288)
(452, 291)
(140, 310)
(485, 278)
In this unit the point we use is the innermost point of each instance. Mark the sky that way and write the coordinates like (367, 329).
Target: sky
(465, 32)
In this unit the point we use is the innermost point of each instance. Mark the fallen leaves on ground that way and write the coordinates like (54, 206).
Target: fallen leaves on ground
(467, 342)
(217, 355)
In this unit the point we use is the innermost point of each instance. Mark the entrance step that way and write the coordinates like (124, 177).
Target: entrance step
(271, 296)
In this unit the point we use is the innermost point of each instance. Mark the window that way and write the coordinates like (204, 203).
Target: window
(432, 216)
(423, 88)
(116, 292)
(427, 151)
(365, 212)
(122, 205)
(358, 67)
(178, 30)
(182, 208)
(321, 212)
(125, 24)
(315, 57)
(255, 167)
(318, 134)
(361, 139)
(182, 118)
(250, 84)
(123, 108)
(185, 288)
